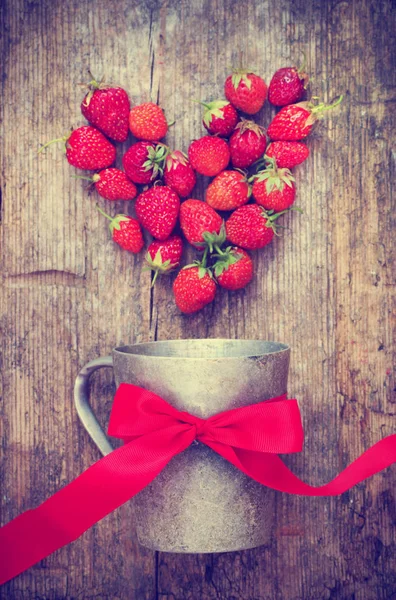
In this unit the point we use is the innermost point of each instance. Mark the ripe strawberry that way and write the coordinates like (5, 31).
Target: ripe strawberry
(193, 289)
(198, 219)
(233, 268)
(287, 154)
(147, 122)
(143, 162)
(125, 232)
(246, 91)
(113, 184)
(228, 191)
(163, 257)
(247, 144)
(220, 118)
(179, 174)
(251, 227)
(209, 155)
(157, 210)
(295, 122)
(87, 148)
(274, 188)
(287, 86)
(107, 108)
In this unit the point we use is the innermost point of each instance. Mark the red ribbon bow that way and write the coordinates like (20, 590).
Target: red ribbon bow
(154, 432)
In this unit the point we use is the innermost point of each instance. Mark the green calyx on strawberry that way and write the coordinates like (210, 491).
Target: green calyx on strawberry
(173, 159)
(273, 176)
(92, 86)
(115, 222)
(157, 265)
(213, 109)
(316, 109)
(239, 75)
(156, 158)
(224, 258)
(212, 239)
(271, 216)
(203, 269)
(247, 125)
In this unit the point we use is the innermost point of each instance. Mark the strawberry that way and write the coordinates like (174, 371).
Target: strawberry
(228, 191)
(247, 144)
(233, 268)
(147, 122)
(193, 289)
(287, 86)
(220, 118)
(107, 108)
(87, 148)
(209, 155)
(197, 219)
(143, 162)
(295, 122)
(246, 91)
(274, 188)
(113, 184)
(125, 231)
(157, 210)
(163, 257)
(287, 154)
(179, 174)
(251, 227)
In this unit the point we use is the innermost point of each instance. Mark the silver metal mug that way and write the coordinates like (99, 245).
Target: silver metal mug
(199, 502)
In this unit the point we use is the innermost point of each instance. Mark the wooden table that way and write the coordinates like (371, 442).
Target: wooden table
(69, 295)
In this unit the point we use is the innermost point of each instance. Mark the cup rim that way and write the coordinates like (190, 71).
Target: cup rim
(125, 349)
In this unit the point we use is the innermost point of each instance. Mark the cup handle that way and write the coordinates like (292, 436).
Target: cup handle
(84, 410)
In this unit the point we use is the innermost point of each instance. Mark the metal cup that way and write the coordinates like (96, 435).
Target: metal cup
(199, 502)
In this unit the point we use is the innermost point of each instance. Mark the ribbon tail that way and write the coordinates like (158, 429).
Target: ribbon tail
(99, 490)
(270, 470)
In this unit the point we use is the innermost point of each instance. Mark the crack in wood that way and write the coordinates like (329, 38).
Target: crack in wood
(44, 278)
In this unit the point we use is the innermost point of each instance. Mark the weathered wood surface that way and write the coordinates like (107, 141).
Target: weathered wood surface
(69, 295)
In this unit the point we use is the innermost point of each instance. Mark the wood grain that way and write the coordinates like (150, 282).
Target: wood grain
(325, 287)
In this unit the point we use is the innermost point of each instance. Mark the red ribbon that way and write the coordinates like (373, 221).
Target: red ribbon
(154, 432)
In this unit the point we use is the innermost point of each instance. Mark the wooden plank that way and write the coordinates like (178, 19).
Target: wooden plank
(325, 286)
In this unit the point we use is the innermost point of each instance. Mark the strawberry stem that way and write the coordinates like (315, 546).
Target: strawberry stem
(304, 63)
(154, 278)
(322, 106)
(62, 139)
(82, 177)
(103, 213)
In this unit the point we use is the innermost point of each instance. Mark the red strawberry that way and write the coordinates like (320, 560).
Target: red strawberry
(147, 122)
(163, 257)
(107, 108)
(287, 154)
(233, 268)
(193, 289)
(198, 219)
(287, 86)
(246, 91)
(228, 191)
(209, 155)
(125, 232)
(251, 227)
(157, 210)
(113, 184)
(143, 162)
(294, 122)
(87, 148)
(220, 118)
(274, 188)
(247, 144)
(179, 174)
